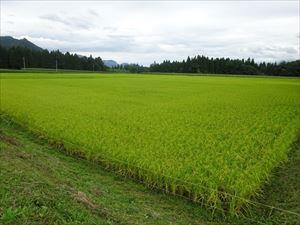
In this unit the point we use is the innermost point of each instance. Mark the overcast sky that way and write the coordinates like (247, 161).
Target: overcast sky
(143, 32)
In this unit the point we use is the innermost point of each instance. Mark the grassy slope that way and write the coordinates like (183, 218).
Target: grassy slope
(41, 185)
(283, 189)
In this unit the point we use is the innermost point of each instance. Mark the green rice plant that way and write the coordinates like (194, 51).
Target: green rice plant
(212, 139)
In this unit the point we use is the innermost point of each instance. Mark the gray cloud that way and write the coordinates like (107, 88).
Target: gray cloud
(116, 44)
(277, 52)
(73, 21)
(109, 28)
(93, 12)
(146, 31)
(55, 18)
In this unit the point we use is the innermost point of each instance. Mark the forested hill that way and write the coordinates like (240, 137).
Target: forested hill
(8, 42)
(13, 54)
(202, 64)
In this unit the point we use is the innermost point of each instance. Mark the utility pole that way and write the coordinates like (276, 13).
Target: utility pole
(93, 67)
(56, 65)
(24, 66)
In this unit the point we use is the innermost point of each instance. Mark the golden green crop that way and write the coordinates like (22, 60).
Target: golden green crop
(210, 138)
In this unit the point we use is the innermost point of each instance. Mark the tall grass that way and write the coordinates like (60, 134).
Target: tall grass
(214, 139)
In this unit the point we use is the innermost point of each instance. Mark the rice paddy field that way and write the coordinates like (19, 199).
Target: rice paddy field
(212, 139)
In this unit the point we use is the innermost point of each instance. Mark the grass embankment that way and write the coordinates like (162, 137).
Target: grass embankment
(213, 139)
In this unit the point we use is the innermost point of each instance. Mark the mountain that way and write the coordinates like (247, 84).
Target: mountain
(8, 42)
(110, 63)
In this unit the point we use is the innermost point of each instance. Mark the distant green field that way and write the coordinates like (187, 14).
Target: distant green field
(214, 139)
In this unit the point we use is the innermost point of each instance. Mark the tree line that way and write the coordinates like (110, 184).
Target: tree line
(14, 58)
(202, 64)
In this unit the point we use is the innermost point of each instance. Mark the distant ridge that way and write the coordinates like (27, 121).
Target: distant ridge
(8, 42)
(110, 63)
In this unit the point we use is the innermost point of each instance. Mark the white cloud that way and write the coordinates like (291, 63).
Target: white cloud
(144, 32)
